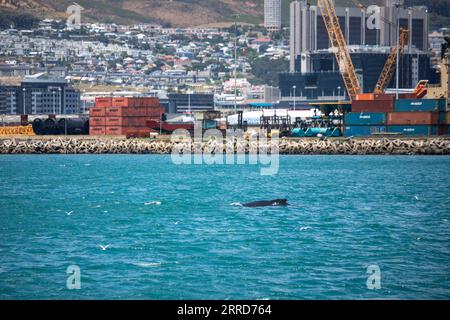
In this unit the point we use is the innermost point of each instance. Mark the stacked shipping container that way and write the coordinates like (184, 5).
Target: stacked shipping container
(124, 116)
(404, 116)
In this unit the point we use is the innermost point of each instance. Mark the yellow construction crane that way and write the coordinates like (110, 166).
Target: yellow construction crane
(339, 47)
(389, 66)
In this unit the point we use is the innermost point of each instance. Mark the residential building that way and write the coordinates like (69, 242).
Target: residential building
(272, 15)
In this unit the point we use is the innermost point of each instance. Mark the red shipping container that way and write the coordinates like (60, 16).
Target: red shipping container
(156, 110)
(103, 102)
(136, 132)
(97, 121)
(413, 118)
(126, 112)
(127, 131)
(372, 106)
(134, 121)
(114, 112)
(408, 96)
(151, 102)
(374, 96)
(97, 112)
(96, 131)
(113, 121)
(113, 131)
(120, 102)
(134, 112)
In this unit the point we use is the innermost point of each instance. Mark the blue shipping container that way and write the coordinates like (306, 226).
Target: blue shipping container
(365, 118)
(406, 105)
(360, 131)
(414, 130)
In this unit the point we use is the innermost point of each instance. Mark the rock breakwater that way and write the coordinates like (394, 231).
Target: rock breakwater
(430, 146)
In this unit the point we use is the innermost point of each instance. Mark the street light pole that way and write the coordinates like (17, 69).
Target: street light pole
(60, 102)
(24, 100)
(294, 87)
(235, 62)
(189, 102)
(54, 102)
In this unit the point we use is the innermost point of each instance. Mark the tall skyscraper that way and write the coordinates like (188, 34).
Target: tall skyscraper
(309, 34)
(272, 15)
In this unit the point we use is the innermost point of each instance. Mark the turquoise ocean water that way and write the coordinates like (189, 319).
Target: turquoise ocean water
(178, 232)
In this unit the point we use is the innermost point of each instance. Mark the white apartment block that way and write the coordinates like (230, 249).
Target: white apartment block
(272, 15)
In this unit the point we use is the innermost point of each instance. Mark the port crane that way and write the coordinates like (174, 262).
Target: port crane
(396, 51)
(339, 47)
(389, 66)
(343, 58)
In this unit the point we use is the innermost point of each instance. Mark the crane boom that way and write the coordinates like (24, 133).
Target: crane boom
(388, 69)
(339, 47)
(389, 66)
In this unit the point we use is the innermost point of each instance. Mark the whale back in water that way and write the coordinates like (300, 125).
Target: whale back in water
(265, 203)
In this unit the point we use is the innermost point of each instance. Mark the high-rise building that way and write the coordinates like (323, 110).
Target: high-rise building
(314, 73)
(272, 15)
(308, 31)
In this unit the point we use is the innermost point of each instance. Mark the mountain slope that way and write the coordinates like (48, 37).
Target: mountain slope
(184, 13)
(170, 12)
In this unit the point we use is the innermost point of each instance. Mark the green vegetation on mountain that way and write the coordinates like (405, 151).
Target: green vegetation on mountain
(21, 20)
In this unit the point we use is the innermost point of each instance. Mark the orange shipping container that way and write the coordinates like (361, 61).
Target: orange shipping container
(151, 102)
(407, 96)
(155, 113)
(126, 121)
(375, 96)
(113, 121)
(135, 102)
(97, 112)
(113, 131)
(97, 121)
(96, 131)
(135, 121)
(120, 102)
(413, 118)
(372, 106)
(135, 112)
(114, 112)
(126, 112)
(127, 131)
(103, 102)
